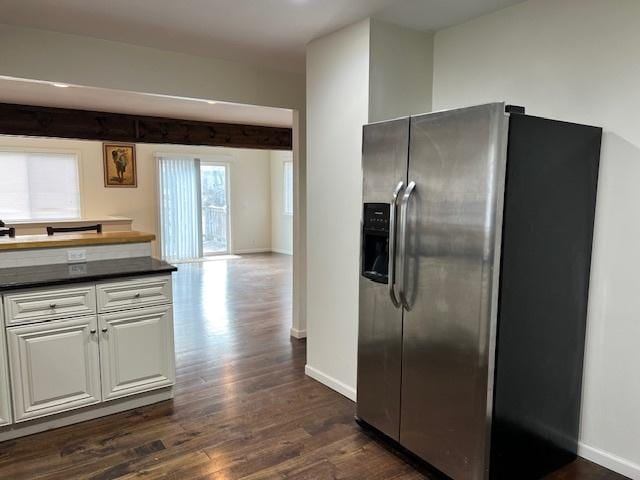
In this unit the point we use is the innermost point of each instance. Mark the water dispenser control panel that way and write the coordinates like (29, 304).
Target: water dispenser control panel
(375, 242)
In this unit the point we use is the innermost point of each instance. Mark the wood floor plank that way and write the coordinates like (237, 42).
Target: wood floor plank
(243, 409)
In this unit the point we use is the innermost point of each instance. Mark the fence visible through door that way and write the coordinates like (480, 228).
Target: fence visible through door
(215, 211)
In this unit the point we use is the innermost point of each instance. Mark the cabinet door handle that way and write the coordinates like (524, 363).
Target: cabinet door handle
(93, 331)
(105, 329)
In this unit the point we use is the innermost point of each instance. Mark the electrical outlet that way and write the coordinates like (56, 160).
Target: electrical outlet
(77, 255)
(78, 269)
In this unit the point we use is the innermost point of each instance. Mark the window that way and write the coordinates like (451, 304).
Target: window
(288, 188)
(39, 186)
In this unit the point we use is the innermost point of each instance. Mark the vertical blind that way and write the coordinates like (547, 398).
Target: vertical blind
(288, 188)
(39, 186)
(180, 208)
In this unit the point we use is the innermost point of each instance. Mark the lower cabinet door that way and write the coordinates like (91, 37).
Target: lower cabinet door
(55, 367)
(5, 405)
(136, 351)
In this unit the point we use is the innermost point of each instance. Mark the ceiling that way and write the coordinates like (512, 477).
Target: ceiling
(28, 92)
(268, 32)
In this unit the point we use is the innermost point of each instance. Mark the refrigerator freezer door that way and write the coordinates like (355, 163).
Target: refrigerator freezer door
(457, 160)
(384, 163)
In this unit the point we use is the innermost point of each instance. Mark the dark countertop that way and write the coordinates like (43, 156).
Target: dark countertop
(60, 274)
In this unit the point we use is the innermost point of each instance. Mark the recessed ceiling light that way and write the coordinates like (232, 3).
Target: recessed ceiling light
(60, 85)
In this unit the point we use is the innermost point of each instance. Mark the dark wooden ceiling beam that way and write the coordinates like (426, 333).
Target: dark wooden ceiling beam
(119, 127)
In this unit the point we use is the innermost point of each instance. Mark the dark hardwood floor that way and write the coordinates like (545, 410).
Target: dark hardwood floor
(243, 407)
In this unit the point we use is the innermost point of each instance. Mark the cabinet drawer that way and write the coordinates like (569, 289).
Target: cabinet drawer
(141, 292)
(40, 305)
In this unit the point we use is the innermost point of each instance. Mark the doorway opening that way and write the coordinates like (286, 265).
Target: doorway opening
(217, 202)
(194, 207)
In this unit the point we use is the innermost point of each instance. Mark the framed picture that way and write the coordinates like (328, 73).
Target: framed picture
(120, 165)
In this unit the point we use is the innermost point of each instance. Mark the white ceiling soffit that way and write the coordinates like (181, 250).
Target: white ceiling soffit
(28, 92)
(267, 32)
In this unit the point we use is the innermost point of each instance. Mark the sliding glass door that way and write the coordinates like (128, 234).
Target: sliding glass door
(194, 208)
(215, 209)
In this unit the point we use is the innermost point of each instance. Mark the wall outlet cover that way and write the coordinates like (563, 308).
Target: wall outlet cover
(76, 255)
(77, 269)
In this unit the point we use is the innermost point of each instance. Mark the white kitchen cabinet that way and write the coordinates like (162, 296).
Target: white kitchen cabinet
(54, 366)
(136, 351)
(73, 346)
(5, 405)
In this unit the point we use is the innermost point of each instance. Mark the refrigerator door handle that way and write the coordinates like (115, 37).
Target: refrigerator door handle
(404, 206)
(392, 244)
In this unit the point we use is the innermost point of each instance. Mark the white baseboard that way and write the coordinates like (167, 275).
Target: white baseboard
(261, 250)
(606, 459)
(251, 250)
(295, 333)
(331, 382)
(610, 461)
(282, 251)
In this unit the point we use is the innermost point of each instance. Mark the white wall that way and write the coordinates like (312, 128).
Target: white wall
(299, 320)
(576, 60)
(400, 73)
(366, 72)
(281, 223)
(337, 107)
(250, 178)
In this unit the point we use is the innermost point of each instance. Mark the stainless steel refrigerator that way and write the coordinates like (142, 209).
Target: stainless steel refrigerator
(476, 247)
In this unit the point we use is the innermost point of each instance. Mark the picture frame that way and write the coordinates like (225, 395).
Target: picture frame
(119, 165)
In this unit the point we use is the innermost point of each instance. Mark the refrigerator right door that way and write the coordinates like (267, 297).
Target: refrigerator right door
(453, 231)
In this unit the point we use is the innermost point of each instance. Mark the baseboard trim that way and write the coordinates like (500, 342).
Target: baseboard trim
(331, 382)
(251, 250)
(295, 333)
(606, 459)
(610, 461)
(261, 250)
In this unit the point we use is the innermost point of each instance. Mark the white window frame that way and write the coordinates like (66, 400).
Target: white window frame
(54, 151)
(285, 192)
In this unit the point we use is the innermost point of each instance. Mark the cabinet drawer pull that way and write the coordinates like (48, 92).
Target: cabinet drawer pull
(52, 305)
(137, 295)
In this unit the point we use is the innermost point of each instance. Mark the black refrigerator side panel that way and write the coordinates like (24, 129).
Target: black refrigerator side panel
(550, 198)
